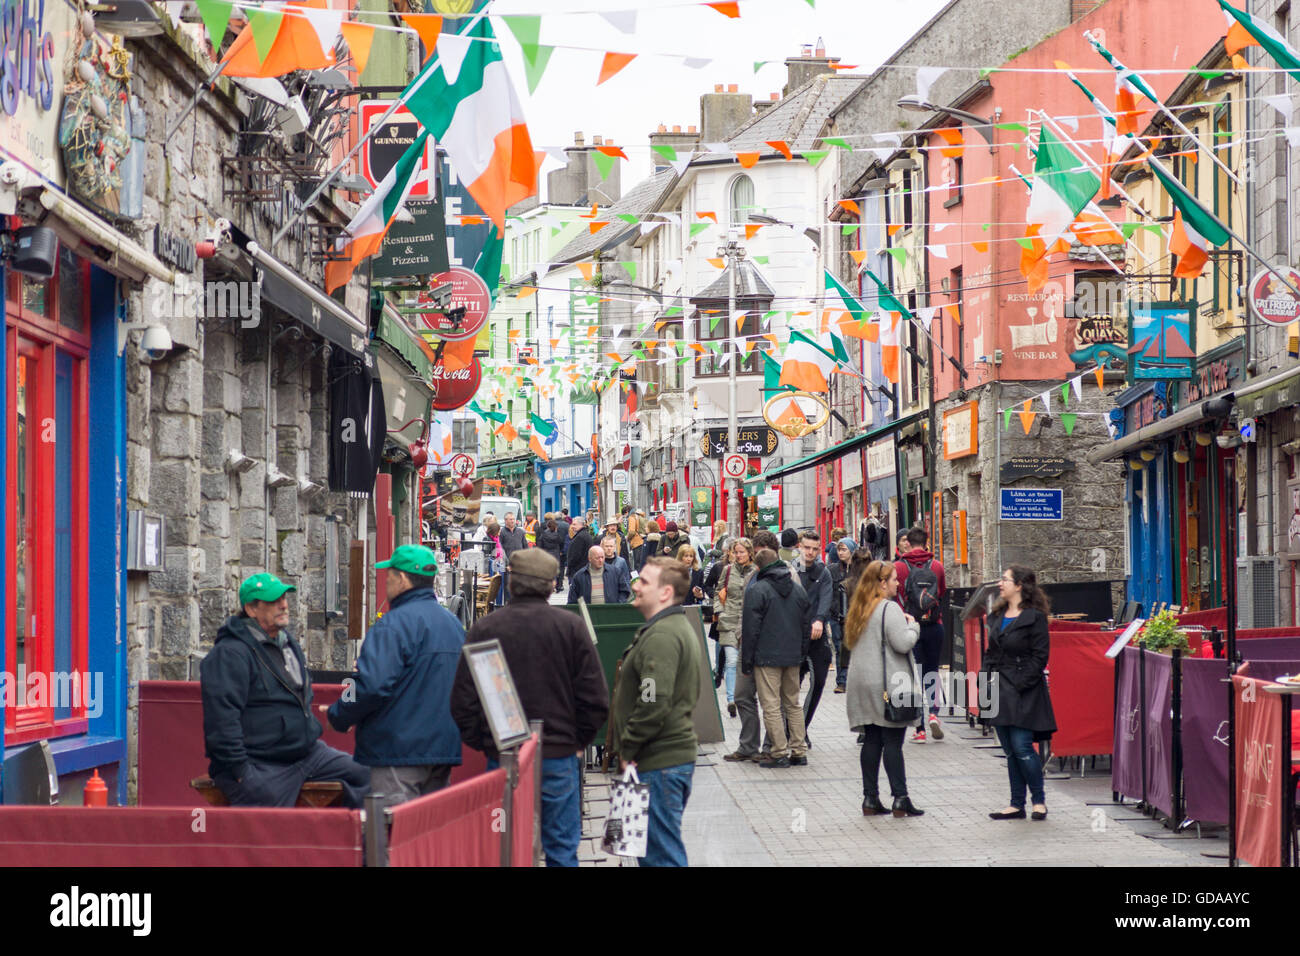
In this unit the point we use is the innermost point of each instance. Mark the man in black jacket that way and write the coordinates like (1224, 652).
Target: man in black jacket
(262, 740)
(579, 545)
(816, 580)
(776, 624)
(560, 682)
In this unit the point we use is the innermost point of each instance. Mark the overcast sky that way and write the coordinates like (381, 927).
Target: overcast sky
(657, 89)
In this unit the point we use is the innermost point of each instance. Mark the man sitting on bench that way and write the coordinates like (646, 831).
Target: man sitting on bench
(262, 739)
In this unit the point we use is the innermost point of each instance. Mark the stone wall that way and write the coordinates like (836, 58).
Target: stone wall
(1088, 544)
(187, 411)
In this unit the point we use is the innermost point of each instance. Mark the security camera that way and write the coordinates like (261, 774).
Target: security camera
(157, 342)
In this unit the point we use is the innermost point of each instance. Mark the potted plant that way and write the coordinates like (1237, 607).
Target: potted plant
(1162, 634)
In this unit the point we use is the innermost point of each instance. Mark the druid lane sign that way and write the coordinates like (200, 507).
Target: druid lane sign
(752, 441)
(1031, 504)
(1014, 469)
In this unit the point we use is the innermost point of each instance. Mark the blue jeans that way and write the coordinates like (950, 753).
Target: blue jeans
(730, 655)
(561, 808)
(1024, 766)
(670, 788)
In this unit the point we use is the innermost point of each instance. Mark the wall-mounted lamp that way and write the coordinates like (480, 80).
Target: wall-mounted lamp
(155, 343)
(1148, 454)
(237, 462)
(275, 478)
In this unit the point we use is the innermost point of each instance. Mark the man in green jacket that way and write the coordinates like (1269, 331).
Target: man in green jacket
(658, 685)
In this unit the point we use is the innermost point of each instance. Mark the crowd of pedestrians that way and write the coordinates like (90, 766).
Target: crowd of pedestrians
(775, 620)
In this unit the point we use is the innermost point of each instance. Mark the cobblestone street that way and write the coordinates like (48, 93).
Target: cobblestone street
(742, 815)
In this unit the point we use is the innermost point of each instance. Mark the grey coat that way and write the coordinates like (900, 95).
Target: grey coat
(729, 614)
(865, 686)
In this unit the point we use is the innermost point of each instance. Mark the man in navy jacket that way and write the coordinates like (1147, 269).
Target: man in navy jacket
(617, 588)
(401, 699)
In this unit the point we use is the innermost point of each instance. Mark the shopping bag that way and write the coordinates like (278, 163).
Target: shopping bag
(629, 816)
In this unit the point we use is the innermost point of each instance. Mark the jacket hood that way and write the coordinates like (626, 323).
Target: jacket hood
(778, 574)
(918, 558)
(239, 628)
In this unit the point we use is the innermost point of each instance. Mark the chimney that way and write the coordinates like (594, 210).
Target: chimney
(577, 138)
(579, 182)
(762, 106)
(722, 113)
(597, 141)
(682, 142)
(812, 62)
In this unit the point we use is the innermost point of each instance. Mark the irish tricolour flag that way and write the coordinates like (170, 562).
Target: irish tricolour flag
(808, 363)
(1244, 30)
(1195, 227)
(1062, 189)
(465, 100)
(369, 226)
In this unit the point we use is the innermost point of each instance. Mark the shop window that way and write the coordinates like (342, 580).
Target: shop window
(46, 486)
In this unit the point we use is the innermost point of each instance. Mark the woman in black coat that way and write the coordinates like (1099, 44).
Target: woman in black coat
(1020, 707)
(551, 540)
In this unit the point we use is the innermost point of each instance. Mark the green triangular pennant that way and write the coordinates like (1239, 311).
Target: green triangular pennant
(1065, 393)
(603, 163)
(672, 310)
(535, 65)
(836, 141)
(1006, 418)
(667, 152)
(1013, 127)
(215, 14)
(527, 31)
(1128, 228)
(1024, 242)
(713, 323)
(628, 218)
(1210, 74)
(1067, 421)
(683, 361)
(849, 228)
(761, 260)
(265, 25)
(759, 64)
(815, 156)
(697, 228)
(900, 256)
(630, 266)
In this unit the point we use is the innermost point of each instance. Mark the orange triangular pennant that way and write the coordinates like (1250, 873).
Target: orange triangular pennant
(747, 160)
(1026, 416)
(848, 205)
(1099, 372)
(612, 63)
(751, 229)
(780, 146)
(359, 36)
(586, 268)
(729, 9)
(428, 26)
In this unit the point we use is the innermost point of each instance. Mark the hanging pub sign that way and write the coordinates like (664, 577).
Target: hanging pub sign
(31, 85)
(881, 459)
(1014, 469)
(1271, 300)
(795, 414)
(961, 431)
(453, 389)
(101, 124)
(468, 292)
(382, 151)
(1161, 340)
(755, 441)
(701, 507)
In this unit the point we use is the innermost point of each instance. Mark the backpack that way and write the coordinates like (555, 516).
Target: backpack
(921, 593)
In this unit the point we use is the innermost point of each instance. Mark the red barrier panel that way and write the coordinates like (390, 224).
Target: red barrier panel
(1214, 617)
(1263, 778)
(1092, 626)
(208, 836)
(1083, 693)
(521, 853)
(457, 826)
(171, 751)
(1254, 633)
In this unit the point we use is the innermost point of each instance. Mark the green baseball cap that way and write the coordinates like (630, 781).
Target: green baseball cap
(413, 559)
(263, 587)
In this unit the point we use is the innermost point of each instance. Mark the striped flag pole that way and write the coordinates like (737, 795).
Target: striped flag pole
(425, 72)
(1141, 84)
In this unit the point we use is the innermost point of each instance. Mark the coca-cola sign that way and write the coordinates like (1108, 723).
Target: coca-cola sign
(468, 292)
(454, 388)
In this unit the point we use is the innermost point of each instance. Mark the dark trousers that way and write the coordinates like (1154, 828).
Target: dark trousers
(277, 784)
(818, 663)
(927, 650)
(1024, 766)
(886, 742)
(841, 654)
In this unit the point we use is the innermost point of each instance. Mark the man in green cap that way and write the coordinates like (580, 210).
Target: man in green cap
(401, 700)
(262, 740)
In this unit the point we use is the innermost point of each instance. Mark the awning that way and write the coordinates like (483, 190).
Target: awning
(843, 448)
(1265, 395)
(1218, 407)
(91, 237)
(287, 291)
(506, 467)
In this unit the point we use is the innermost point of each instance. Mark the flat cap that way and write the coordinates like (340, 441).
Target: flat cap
(534, 563)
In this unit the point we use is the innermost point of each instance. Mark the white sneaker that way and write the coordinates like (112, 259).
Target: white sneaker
(936, 728)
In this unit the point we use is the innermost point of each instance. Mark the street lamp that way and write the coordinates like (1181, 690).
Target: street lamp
(733, 252)
(914, 104)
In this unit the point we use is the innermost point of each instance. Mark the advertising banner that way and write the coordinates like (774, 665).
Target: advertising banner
(1126, 753)
(1263, 772)
(1205, 740)
(1157, 712)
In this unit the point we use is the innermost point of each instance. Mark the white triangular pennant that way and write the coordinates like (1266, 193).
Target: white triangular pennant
(325, 24)
(695, 62)
(174, 8)
(649, 227)
(679, 165)
(925, 77)
(893, 139)
(624, 21)
(1047, 400)
(939, 250)
(938, 227)
(452, 48)
(1284, 104)
(1076, 383)
(927, 317)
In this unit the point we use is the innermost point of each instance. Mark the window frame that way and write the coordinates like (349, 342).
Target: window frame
(736, 181)
(707, 365)
(47, 337)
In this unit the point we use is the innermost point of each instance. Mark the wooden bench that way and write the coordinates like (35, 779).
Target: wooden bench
(314, 793)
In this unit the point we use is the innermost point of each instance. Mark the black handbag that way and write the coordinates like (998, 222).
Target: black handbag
(894, 713)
